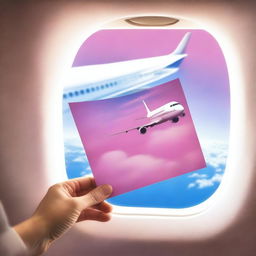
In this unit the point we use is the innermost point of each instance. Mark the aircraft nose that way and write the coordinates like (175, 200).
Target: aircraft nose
(180, 107)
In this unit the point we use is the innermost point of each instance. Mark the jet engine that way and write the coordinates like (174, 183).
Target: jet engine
(175, 120)
(143, 130)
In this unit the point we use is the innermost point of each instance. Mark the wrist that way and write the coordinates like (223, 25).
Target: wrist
(33, 232)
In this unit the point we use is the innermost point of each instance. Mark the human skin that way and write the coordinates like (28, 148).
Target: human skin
(63, 205)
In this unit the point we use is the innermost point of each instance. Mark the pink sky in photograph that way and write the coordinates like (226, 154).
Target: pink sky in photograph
(131, 160)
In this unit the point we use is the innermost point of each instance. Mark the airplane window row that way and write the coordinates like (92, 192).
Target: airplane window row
(88, 90)
(175, 104)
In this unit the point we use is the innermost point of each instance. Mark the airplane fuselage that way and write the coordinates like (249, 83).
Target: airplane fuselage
(94, 82)
(168, 112)
(110, 80)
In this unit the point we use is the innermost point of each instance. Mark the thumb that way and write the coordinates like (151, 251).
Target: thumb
(96, 196)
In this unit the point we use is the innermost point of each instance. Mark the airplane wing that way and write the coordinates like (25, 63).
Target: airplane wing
(151, 124)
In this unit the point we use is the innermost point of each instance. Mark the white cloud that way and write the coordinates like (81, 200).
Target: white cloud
(215, 154)
(204, 183)
(197, 175)
(80, 159)
(75, 154)
(83, 173)
(73, 140)
(191, 185)
(72, 149)
(86, 172)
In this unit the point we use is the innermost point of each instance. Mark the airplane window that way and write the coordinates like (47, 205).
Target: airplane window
(82, 91)
(204, 79)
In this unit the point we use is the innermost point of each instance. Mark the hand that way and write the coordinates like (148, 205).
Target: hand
(64, 204)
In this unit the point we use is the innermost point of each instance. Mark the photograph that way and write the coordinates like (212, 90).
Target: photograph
(139, 139)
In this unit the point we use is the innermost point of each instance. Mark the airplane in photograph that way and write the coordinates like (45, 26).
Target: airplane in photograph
(93, 82)
(168, 112)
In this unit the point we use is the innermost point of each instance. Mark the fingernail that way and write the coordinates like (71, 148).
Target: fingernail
(107, 190)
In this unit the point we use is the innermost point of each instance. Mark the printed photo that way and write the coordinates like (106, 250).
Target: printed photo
(139, 139)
